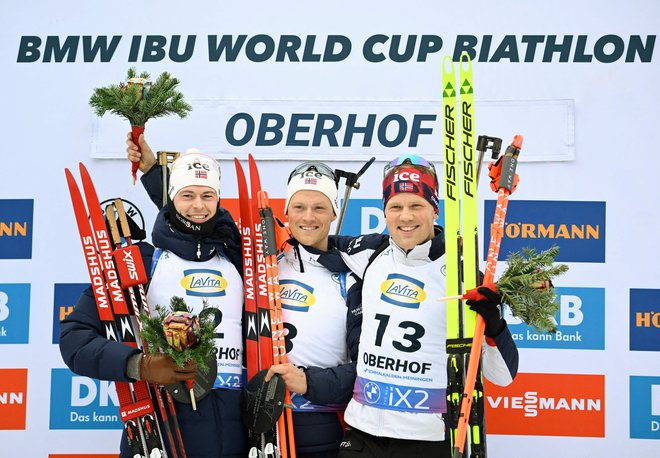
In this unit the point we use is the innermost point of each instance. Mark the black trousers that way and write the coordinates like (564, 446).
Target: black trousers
(357, 443)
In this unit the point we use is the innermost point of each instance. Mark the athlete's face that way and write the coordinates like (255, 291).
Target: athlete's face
(196, 203)
(310, 214)
(409, 219)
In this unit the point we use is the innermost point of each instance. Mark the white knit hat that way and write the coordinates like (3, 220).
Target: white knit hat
(194, 169)
(312, 180)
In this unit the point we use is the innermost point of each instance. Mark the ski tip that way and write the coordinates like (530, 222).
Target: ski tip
(448, 65)
(465, 58)
(517, 141)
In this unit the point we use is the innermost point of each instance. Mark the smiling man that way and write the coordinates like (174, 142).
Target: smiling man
(399, 396)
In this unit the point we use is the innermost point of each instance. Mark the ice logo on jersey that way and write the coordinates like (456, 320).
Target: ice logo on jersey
(296, 295)
(371, 392)
(403, 291)
(204, 282)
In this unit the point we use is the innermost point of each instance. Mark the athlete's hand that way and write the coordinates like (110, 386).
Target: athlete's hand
(490, 310)
(294, 377)
(144, 155)
(161, 369)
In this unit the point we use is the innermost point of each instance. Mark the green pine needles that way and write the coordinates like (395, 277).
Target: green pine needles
(139, 100)
(526, 287)
(154, 335)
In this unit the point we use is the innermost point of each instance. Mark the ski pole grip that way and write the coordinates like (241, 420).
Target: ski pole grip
(509, 164)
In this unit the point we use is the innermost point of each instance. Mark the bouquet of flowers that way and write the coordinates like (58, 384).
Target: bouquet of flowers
(139, 100)
(181, 335)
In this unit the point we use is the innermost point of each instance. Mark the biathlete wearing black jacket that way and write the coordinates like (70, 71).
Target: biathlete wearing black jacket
(196, 263)
(400, 391)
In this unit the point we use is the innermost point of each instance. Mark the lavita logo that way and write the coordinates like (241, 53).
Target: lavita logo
(296, 295)
(204, 282)
(580, 322)
(90, 404)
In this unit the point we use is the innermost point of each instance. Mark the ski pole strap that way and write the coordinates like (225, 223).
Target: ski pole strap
(268, 230)
(503, 172)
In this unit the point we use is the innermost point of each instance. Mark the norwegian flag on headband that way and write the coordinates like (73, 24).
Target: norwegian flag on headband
(310, 181)
(200, 174)
(404, 186)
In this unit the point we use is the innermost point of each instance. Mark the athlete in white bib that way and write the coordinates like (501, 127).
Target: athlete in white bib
(321, 314)
(198, 258)
(400, 391)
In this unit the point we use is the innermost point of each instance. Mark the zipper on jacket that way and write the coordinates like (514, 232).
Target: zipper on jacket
(199, 249)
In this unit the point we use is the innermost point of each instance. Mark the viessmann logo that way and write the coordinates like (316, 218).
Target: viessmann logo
(296, 295)
(578, 228)
(548, 405)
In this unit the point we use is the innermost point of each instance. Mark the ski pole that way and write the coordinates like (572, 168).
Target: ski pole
(159, 391)
(287, 442)
(485, 143)
(504, 172)
(351, 182)
(165, 158)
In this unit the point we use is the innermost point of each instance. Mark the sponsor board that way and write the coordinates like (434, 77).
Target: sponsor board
(14, 313)
(16, 217)
(580, 322)
(577, 228)
(645, 319)
(78, 402)
(66, 296)
(644, 407)
(13, 399)
(547, 405)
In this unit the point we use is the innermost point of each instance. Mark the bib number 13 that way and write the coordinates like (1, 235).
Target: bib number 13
(415, 331)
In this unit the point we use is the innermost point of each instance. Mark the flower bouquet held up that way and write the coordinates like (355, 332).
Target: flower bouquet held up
(183, 336)
(526, 287)
(140, 100)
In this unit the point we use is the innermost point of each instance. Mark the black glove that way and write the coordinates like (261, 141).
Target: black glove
(490, 311)
(161, 369)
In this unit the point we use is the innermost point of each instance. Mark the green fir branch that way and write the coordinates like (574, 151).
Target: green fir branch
(154, 335)
(139, 104)
(521, 287)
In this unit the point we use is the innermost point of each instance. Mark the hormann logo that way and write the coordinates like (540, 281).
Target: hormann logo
(645, 319)
(16, 228)
(548, 405)
(65, 297)
(578, 228)
(204, 282)
(296, 295)
(403, 291)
